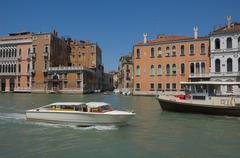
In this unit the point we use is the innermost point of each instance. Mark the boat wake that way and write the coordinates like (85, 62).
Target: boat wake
(12, 116)
(21, 119)
(94, 127)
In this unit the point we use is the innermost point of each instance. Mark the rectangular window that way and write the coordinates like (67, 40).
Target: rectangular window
(159, 86)
(19, 78)
(78, 76)
(174, 86)
(28, 78)
(65, 84)
(168, 86)
(152, 87)
(19, 68)
(78, 84)
(46, 49)
(137, 87)
(65, 76)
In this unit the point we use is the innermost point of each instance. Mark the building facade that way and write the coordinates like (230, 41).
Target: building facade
(87, 54)
(225, 56)
(125, 72)
(48, 51)
(15, 62)
(44, 62)
(161, 64)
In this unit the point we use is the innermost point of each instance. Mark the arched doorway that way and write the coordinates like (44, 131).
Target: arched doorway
(3, 85)
(55, 82)
(12, 84)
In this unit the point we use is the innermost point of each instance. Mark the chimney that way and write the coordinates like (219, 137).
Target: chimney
(145, 38)
(229, 21)
(195, 29)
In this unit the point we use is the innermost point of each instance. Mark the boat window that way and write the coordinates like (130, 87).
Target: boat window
(106, 108)
(67, 107)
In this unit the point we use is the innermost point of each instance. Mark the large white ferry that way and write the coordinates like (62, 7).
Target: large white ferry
(203, 97)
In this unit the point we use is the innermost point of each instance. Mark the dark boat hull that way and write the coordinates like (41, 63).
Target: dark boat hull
(169, 105)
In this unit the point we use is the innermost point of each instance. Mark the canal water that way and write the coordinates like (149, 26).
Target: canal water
(151, 133)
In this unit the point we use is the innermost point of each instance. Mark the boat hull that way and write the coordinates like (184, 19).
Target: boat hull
(171, 105)
(78, 118)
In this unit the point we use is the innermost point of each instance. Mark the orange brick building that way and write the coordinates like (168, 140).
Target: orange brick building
(161, 64)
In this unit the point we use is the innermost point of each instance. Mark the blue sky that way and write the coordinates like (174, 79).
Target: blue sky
(115, 25)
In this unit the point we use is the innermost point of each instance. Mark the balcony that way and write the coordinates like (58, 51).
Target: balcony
(8, 74)
(225, 74)
(199, 75)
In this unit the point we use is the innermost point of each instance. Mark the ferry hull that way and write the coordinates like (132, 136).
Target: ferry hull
(171, 105)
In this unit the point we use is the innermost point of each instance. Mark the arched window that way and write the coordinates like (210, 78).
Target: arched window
(182, 68)
(29, 51)
(174, 50)
(20, 52)
(202, 48)
(192, 68)
(217, 43)
(159, 51)
(229, 65)
(0, 52)
(203, 67)
(0, 68)
(238, 64)
(3, 53)
(28, 67)
(3, 68)
(15, 52)
(9, 68)
(238, 42)
(138, 53)
(19, 68)
(191, 49)
(167, 51)
(174, 69)
(152, 70)
(138, 70)
(217, 65)
(159, 69)
(14, 69)
(182, 50)
(197, 68)
(152, 53)
(229, 42)
(167, 69)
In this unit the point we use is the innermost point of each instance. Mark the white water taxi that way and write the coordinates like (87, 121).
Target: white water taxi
(80, 114)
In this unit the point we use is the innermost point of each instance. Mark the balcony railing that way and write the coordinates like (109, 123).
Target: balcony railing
(8, 74)
(199, 75)
(219, 74)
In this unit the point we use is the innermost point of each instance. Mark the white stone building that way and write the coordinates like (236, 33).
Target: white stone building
(225, 55)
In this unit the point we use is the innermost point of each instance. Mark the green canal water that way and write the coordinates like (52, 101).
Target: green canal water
(151, 133)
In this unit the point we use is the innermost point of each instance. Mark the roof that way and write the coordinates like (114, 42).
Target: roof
(68, 103)
(210, 83)
(96, 104)
(170, 38)
(234, 27)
